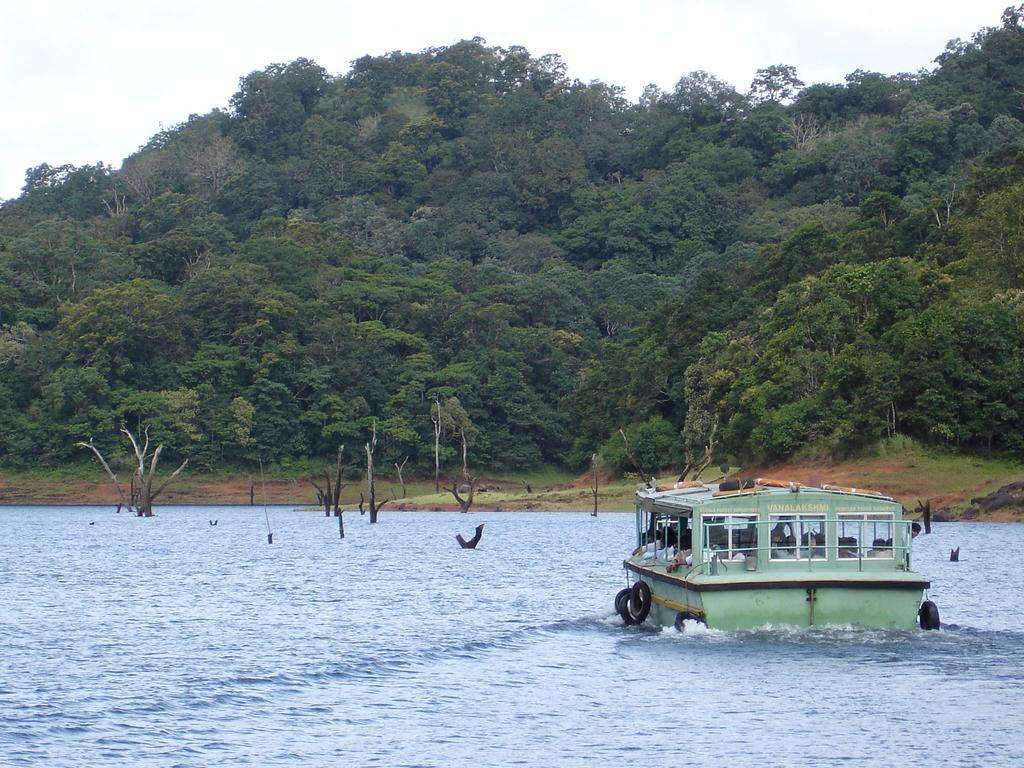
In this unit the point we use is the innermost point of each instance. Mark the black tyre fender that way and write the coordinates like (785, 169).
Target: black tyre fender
(639, 603)
(928, 615)
(682, 617)
(622, 605)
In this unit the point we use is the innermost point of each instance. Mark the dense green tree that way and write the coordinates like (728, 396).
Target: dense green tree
(996, 236)
(130, 333)
(57, 261)
(797, 270)
(272, 105)
(778, 82)
(68, 191)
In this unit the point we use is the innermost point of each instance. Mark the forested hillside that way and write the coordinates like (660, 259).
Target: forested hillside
(466, 235)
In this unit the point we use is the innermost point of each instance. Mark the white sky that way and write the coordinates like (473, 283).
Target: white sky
(88, 82)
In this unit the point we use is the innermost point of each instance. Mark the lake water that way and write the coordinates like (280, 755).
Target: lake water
(171, 642)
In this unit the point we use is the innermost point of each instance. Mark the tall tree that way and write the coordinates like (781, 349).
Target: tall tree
(778, 82)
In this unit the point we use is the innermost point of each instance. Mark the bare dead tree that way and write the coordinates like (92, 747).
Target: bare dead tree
(117, 207)
(804, 132)
(399, 469)
(451, 416)
(212, 163)
(142, 494)
(694, 469)
(323, 497)
(465, 453)
(646, 476)
(593, 482)
(336, 498)
(471, 543)
(263, 492)
(926, 514)
(141, 174)
(464, 502)
(331, 497)
(125, 500)
(435, 417)
(371, 486)
(328, 495)
(366, 127)
(945, 211)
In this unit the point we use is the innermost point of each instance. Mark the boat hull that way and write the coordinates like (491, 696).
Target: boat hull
(735, 604)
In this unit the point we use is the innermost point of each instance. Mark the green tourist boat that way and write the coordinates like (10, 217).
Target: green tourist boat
(750, 553)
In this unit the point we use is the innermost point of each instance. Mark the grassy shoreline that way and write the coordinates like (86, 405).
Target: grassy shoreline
(901, 469)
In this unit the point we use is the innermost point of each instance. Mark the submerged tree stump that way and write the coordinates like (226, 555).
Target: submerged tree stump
(471, 544)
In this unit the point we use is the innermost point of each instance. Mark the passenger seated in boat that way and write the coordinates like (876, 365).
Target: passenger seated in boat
(656, 547)
(682, 557)
(786, 549)
(880, 549)
(651, 549)
(847, 546)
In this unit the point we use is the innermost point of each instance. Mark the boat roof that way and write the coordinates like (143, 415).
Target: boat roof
(705, 497)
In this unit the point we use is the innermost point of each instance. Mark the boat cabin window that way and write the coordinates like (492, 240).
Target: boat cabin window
(664, 535)
(865, 534)
(798, 537)
(730, 536)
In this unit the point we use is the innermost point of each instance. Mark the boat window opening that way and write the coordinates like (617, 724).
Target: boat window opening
(661, 537)
(865, 535)
(731, 537)
(798, 537)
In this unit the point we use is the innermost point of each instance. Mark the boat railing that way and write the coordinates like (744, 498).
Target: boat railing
(748, 545)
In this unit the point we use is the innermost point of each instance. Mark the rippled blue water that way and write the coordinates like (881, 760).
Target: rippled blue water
(170, 642)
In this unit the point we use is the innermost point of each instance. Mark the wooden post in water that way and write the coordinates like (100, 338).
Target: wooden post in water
(336, 498)
(266, 514)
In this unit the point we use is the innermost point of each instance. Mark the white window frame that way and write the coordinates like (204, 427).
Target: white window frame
(865, 542)
(796, 520)
(731, 522)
